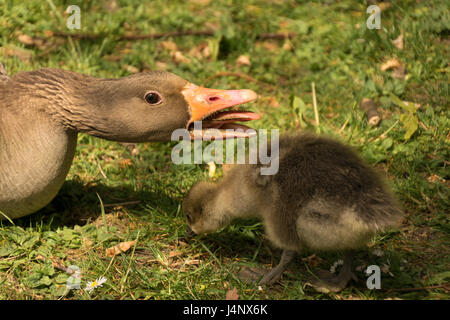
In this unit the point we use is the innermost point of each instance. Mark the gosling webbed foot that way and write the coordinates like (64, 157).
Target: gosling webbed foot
(328, 282)
(333, 283)
(274, 275)
(271, 277)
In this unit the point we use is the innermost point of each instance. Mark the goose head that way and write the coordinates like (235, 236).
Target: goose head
(142, 107)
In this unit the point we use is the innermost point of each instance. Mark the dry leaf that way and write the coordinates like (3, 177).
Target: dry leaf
(384, 5)
(175, 253)
(130, 69)
(212, 25)
(270, 45)
(160, 65)
(201, 2)
(313, 260)
(206, 51)
(112, 58)
(12, 51)
(178, 57)
(287, 45)
(48, 33)
(111, 5)
(169, 45)
(398, 43)
(121, 247)
(123, 163)
(416, 105)
(274, 102)
(389, 64)
(435, 178)
(26, 39)
(243, 60)
(232, 294)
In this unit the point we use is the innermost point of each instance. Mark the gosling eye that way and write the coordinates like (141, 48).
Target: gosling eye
(153, 98)
(189, 218)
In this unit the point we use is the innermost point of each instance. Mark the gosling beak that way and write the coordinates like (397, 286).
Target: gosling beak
(207, 105)
(189, 232)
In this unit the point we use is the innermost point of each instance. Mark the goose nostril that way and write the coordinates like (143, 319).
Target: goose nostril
(213, 98)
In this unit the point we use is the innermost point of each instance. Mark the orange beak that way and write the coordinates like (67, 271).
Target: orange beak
(204, 102)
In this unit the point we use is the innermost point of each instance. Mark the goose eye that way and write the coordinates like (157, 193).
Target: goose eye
(153, 98)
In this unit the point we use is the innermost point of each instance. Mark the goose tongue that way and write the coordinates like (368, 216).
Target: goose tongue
(206, 105)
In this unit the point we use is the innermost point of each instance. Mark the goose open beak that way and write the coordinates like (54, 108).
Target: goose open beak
(207, 105)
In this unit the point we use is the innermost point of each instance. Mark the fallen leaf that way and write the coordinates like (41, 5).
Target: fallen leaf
(206, 51)
(12, 51)
(398, 43)
(287, 45)
(435, 178)
(384, 5)
(201, 2)
(169, 45)
(160, 65)
(123, 163)
(48, 33)
(213, 25)
(273, 102)
(313, 260)
(232, 294)
(389, 64)
(111, 5)
(178, 57)
(130, 69)
(175, 253)
(270, 45)
(243, 60)
(26, 39)
(112, 58)
(119, 248)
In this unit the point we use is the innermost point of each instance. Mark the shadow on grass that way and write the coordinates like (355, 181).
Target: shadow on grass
(79, 204)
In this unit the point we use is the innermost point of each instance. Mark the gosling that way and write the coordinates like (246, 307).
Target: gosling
(323, 198)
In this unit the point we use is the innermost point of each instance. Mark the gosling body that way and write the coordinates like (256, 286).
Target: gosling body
(323, 198)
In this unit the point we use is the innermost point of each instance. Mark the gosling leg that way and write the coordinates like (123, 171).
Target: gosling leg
(332, 283)
(275, 274)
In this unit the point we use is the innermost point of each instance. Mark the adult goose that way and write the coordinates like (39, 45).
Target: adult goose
(42, 111)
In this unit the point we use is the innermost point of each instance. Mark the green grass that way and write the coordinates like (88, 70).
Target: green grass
(342, 59)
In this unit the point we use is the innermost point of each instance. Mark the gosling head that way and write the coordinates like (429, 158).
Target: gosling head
(202, 213)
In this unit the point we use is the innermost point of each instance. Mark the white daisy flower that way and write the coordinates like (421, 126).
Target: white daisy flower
(91, 285)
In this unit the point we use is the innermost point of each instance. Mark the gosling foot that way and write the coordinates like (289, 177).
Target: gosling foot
(328, 282)
(332, 283)
(274, 275)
